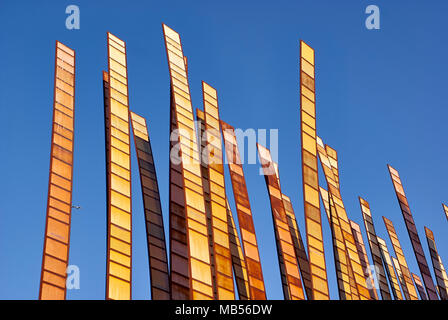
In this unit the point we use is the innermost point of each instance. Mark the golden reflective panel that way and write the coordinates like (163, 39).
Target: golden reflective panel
(438, 267)
(375, 251)
(119, 183)
(413, 235)
(287, 256)
(220, 246)
(402, 265)
(57, 234)
(194, 197)
(341, 215)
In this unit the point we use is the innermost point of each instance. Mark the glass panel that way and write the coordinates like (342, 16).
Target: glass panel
(120, 246)
(120, 201)
(309, 143)
(119, 109)
(201, 271)
(118, 232)
(119, 289)
(198, 244)
(119, 271)
(117, 55)
(120, 158)
(57, 230)
(307, 52)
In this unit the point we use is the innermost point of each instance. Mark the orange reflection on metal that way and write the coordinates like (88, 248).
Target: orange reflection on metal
(413, 234)
(214, 192)
(155, 233)
(200, 117)
(310, 180)
(346, 287)
(404, 285)
(191, 273)
(384, 252)
(375, 250)
(341, 215)
(364, 259)
(445, 208)
(238, 259)
(439, 269)
(403, 265)
(420, 287)
(302, 257)
(119, 204)
(245, 220)
(59, 202)
(292, 285)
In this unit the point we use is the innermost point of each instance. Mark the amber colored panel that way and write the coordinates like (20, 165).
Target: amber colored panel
(254, 270)
(340, 217)
(376, 255)
(402, 263)
(51, 292)
(413, 235)
(190, 206)
(57, 249)
(119, 289)
(116, 109)
(288, 262)
(57, 234)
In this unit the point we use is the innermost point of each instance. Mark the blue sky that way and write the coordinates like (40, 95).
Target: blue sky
(381, 98)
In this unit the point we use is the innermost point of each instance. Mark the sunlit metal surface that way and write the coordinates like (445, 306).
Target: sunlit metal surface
(375, 250)
(419, 285)
(403, 265)
(341, 214)
(346, 289)
(292, 284)
(191, 274)
(439, 269)
(215, 195)
(310, 184)
(413, 235)
(299, 247)
(391, 274)
(119, 204)
(238, 259)
(155, 233)
(59, 202)
(364, 259)
(245, 220)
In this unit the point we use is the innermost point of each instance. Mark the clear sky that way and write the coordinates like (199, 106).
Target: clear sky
(381, 98)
